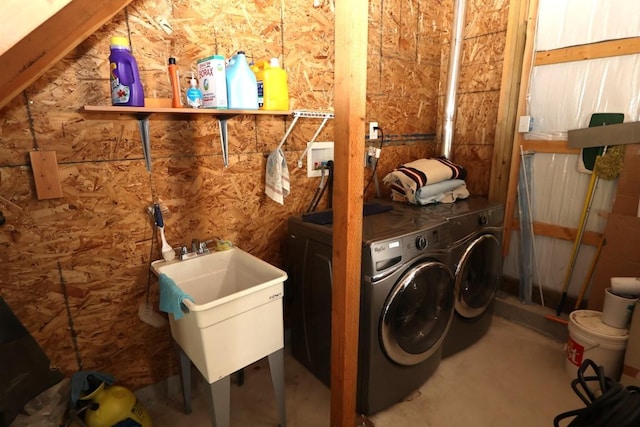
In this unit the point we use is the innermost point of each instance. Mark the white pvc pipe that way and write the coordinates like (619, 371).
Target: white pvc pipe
(460, 7)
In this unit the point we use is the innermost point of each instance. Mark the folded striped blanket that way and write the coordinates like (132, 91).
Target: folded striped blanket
(408, 178)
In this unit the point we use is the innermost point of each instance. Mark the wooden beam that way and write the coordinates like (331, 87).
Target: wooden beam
(19, 18)
(544, 146)
(514, 170)
(351, 31)
(561, 232)
(605, 49)
(32, 56)
(509, 90)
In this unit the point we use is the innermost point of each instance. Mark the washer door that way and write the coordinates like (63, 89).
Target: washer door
(417, 313)
(478, 276)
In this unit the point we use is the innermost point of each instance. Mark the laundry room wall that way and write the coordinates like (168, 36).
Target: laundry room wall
(91, 248)
(563, 96)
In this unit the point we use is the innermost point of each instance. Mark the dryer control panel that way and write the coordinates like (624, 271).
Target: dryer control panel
(389, 253)
(464, 225)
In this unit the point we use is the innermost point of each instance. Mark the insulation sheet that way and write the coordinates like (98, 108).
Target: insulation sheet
(562, 97)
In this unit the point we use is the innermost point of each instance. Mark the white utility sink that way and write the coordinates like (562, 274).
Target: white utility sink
(237, 316)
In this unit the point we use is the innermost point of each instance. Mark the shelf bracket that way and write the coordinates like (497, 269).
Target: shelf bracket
(306, 150)
(224, 141)
(143, 126)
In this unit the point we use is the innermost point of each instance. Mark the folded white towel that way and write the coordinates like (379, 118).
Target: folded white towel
(277, 185)
(442, 192)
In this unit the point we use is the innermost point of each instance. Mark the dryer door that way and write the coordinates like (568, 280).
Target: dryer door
(478, 276)
(417, 313)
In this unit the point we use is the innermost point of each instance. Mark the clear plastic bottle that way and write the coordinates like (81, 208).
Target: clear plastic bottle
(126, 87)
(194, 94)
(242, 87)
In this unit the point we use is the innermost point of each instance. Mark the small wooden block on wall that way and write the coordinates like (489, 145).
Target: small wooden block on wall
(44, 165)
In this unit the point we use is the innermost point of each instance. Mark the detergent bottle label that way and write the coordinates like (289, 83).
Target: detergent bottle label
(260, 93)
(120, 94)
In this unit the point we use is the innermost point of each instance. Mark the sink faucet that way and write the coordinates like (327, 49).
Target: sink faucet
(199, 247)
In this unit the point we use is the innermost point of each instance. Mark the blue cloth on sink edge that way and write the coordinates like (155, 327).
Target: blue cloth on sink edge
(171, 297)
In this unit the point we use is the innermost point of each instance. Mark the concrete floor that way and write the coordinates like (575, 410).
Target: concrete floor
(514, 376)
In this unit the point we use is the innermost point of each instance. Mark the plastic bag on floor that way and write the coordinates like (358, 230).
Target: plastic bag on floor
(46, 409)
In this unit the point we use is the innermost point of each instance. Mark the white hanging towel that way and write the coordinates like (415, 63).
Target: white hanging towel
(277, 185)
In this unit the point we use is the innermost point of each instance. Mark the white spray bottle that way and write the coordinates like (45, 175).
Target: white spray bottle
(194, 94)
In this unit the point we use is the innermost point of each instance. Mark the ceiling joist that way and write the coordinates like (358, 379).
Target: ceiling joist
(32, 56)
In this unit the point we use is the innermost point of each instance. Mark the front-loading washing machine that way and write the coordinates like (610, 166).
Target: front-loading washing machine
(475, 256)
(406, 302)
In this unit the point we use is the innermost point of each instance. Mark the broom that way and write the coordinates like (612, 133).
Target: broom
(607, 166)
(610, 168)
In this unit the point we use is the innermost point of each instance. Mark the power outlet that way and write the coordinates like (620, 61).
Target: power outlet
(373, 132)
(525, 124)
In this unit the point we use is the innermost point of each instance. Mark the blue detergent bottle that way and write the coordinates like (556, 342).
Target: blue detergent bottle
(242, 87)
(126, 87)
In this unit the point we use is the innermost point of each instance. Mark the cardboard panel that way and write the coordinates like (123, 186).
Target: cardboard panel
(628, 192)
(620, 256)
(631, 370)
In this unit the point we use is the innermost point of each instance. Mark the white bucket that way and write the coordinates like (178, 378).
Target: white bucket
(617, 309)
(590, 338)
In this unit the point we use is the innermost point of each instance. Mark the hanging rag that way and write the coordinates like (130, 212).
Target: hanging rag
(277, 185)
(171, 296)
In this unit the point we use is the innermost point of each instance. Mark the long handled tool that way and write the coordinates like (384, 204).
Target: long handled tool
(597, 119)
(592, 267)
(576, 244)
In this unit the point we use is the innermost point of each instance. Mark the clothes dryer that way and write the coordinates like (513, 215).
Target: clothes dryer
(475, 256)
(406, 304)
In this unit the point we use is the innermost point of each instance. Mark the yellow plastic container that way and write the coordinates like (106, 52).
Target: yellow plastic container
(273, 91)
(116, 405)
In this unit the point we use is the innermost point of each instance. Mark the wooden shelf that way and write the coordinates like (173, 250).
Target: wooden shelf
(137, 111)
(159, 107)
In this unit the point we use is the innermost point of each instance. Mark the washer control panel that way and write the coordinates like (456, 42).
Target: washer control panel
(433, 239)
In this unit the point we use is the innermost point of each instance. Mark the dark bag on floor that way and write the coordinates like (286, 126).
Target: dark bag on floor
(608, 403)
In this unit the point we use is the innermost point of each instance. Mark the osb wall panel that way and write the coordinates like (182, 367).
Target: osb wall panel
(100, 233)
(479, 88)
(403, 69)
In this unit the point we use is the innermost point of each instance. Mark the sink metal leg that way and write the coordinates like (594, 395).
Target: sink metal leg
(185, 375)
(220, 402)
(276, 366)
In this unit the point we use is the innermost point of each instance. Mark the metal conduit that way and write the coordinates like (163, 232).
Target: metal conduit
(459, 12)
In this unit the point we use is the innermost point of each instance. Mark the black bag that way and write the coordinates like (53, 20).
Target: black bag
(608, 403)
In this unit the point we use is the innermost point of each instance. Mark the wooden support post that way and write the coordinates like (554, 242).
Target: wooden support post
(514, 170)
(351, 31)
(509, 91)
